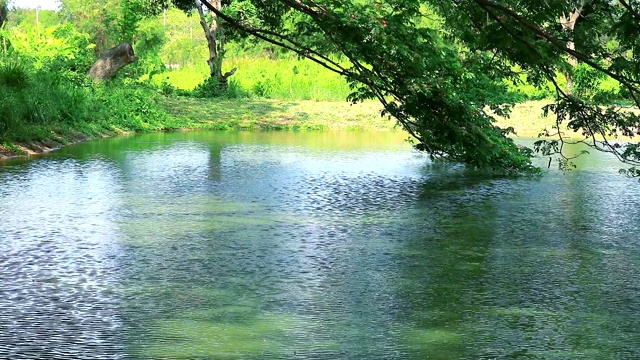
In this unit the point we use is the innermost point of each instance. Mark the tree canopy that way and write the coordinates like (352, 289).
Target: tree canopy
(444, 84)
(444, 70)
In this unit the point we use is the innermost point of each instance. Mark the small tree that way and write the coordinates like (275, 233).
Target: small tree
(214, 33)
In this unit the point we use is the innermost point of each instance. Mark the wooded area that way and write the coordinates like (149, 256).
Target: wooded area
(442, 70)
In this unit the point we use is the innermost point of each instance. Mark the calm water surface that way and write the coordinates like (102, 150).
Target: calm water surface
(311, 246)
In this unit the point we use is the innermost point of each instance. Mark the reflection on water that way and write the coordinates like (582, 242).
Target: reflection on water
(310, 246)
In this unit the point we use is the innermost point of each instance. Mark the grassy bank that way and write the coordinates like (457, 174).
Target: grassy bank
(267, 114)
(177, 113)
(527, 118)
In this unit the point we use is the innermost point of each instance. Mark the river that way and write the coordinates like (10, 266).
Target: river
(282, 245)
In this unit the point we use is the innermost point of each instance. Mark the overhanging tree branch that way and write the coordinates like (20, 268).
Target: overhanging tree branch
(557, 43)
(311, 54)
(429, 87)
(631, 10)
(281, 41)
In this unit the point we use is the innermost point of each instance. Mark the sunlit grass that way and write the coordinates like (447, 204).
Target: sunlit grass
(284, 79)
(278, 115)
(527, 118)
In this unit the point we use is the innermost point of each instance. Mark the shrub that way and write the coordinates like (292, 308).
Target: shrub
(211, 87)
(8, 106)
(14, 74)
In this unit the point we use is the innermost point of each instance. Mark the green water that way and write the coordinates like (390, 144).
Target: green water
(311, 246)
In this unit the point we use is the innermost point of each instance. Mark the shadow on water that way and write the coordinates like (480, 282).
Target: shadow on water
(310, 246)
(524, 267)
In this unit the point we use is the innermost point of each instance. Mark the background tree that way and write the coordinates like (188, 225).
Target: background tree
(98, 18)
(214, 33)
(23, 18)
(243, 11)
(45, 43)
(185, 45)
(109, 22)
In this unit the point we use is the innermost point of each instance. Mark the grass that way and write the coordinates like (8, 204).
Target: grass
(266, 114)
(283, 79)
(527, 118)
(243, 114)
(42, 110)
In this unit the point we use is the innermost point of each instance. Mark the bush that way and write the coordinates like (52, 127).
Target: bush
(211, 87)
(235, 90)
(8, 106)
(35, 103)
(128, 106)
(30, 97)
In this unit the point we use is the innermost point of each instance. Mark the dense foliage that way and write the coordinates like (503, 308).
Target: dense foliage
(45, 94)
(436, 80)
(586, 40)
(443, 70)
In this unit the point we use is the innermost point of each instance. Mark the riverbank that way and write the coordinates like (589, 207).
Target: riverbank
(526, 118)
(267, 114)
(246, 114)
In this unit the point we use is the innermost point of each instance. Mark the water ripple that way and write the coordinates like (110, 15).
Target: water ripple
(207, 245)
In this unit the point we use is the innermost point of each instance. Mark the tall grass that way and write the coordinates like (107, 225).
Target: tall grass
(29, 99)
(50, 105)
(284, 79)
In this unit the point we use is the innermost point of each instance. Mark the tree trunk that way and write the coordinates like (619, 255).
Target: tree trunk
(3, 11)
(568, 24)
(215, 41)
(111, 62)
